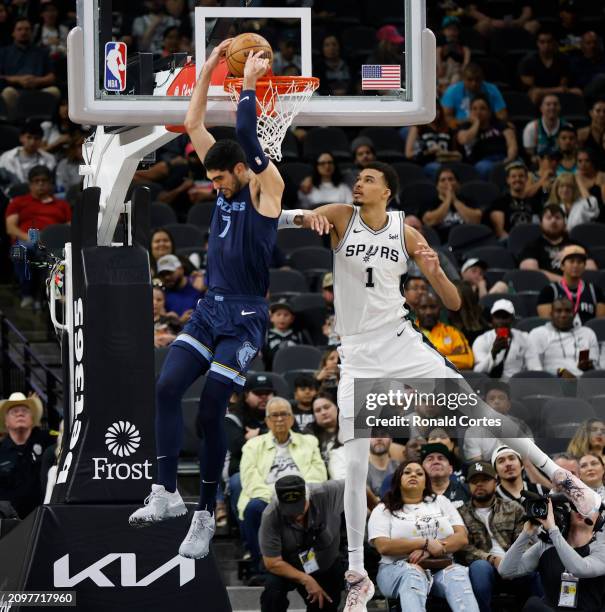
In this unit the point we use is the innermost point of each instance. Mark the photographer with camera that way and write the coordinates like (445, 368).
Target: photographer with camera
(570, 557)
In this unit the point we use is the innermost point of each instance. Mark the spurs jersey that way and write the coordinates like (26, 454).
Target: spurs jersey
(368, 266)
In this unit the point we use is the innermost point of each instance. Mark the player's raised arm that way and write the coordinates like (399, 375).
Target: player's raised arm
(268, 176)
(196, 113)
(428, 262)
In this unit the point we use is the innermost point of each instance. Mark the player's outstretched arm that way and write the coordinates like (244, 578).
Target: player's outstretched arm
(428, 262)
(196, 113)
(269, 179)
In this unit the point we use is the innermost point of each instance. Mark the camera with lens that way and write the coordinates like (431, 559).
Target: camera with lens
(536, 510)
(32, 253)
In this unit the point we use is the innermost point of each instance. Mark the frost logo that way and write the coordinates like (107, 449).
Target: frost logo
(122, 439)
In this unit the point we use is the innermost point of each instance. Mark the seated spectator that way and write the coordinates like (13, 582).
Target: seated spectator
(325, 186)
(6, 29)
(389, 49)
(268, 457)
(166, 325)
(541, 134)
(544, 254)
(473, 273)
(333, 72)
(414, 287)
(324, 425)
(432, 144)
(541, 179)
(587, 298)
(21, 452)
(514, 207)
(24, 65)
(490, 17)
(591, 179)
(15, 164)
(449, 209)
(545, 71)
(426, 535)
(487, 141)
(182, 292)
(450, 342)
(49, 33)
(286, 56)
(148, 29)
(568, 462)
(589, 438)
(305, 390)
(68, 169)
(567, 31)
(567, 146)
(456, 100)
(559, 347)
(469, 319)
(380, 466)
(282, 332)
(492, 524)
(452, 55)
(328, 374)
(363, 152)
(161, 243)
(479, 443)
(511, 477)
(574, 199)
(438, 462)
(58, 132)
(589, 62)
(592, 471)
(579, 552)
(36, 210)
(501, 351)
(591, 136)
(297, 507)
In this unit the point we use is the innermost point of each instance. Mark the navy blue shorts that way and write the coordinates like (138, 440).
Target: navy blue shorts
(226, 332)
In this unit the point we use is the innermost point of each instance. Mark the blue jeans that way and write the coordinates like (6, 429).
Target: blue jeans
(400, 579)
(485, 576)
(252, 517)
(235, 489)
(485, 166)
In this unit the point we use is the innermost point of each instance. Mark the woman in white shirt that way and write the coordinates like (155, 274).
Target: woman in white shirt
(578, 204)
(416, 532)
(325, 186)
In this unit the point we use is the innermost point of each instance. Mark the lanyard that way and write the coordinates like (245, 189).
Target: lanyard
(569, 294)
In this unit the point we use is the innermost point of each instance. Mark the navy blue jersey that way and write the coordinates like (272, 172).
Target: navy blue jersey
(240, 247)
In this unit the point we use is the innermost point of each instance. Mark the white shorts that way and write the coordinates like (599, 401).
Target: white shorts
(395, 350)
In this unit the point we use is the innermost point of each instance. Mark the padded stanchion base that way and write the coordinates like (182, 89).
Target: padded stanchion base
(111, 566)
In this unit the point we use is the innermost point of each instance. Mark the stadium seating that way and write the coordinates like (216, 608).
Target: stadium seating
(296, 358)
(162, 215)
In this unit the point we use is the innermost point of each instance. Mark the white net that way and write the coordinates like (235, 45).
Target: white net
(279, 102)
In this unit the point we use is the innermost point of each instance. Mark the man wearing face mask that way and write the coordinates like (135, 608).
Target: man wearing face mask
(560, 348)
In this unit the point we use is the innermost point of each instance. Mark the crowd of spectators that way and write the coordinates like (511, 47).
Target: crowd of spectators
(507, 183)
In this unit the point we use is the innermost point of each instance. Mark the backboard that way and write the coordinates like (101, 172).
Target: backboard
(135, 63)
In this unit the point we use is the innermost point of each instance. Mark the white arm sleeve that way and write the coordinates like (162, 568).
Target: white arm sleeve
(286, 219)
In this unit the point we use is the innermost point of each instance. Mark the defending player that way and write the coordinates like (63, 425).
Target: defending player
(371, 250)
(228, 326)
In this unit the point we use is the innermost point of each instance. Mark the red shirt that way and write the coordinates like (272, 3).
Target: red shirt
(37, 214)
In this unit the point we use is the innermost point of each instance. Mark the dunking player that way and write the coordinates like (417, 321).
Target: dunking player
(371, 250)
(229, 324)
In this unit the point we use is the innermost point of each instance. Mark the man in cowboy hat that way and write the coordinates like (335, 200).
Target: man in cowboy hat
(21, 452)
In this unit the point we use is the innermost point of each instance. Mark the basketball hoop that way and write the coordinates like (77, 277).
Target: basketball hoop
(278, 101)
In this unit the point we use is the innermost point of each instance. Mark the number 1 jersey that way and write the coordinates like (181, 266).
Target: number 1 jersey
(368, 266)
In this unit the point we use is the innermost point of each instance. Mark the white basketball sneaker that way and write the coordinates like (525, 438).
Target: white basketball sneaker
(160, 505)
(196, 544)
(360, 590)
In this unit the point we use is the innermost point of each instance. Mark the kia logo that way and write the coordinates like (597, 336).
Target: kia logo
(122, 439)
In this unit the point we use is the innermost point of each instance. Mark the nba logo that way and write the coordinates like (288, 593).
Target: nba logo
(115, 66)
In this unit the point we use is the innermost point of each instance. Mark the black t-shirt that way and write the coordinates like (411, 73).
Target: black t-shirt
(589, 298)
(451, 218)
(516, 210)
(429, 138)
(546, 253)
(544, 76)
(488, 142)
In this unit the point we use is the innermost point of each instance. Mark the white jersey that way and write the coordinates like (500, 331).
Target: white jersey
(368, 266)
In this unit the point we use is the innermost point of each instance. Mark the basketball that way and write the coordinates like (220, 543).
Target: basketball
(240, 48)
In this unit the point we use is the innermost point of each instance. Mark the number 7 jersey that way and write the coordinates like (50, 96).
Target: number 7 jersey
(368, 266)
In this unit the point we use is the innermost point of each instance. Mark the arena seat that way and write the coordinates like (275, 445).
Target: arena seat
(36, 105)
(591, 384)
(290, 239)
(562, 416)
(470, 236)
(520, 236)
(387, 143)
(598, 254)
(588, 234)
(296, 171)
(55, 236)
(186, 236)
(9, 137)
(494, 256)
(479, 194)
(410, 173)
(526, 280)
(306, 258)
(291, 375)
(476, 380)
(327, 139)
(162, 214)
(290, 149)
(487, 301)
(200, 214)
(280, 385)
(463, 171)
(287, 281)
(528, 323)
(358, 41)
(296, 358)
(573, 108)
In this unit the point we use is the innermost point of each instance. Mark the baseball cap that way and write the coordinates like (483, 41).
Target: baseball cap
(481, 467)
(168, 263)
(502, 450)
(450, 20)
(361, 141)
(258, 382)
(327, 281)
(291, 495)
(573, 250)
(436, 447)
(505, 305)
(280, 304)
(390, 33)
(473, 261)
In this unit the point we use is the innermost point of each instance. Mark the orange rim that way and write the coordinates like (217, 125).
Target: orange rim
(282, 84)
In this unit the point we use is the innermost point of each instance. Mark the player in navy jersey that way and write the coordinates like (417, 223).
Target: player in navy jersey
(228, 326)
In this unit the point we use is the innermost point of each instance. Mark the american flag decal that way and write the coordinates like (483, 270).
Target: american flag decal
(378, 76)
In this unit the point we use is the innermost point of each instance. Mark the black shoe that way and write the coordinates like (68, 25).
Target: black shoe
(256, 580)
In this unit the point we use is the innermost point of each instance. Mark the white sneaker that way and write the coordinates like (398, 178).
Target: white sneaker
(196, 544)
(360, 590)
(159, 506)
